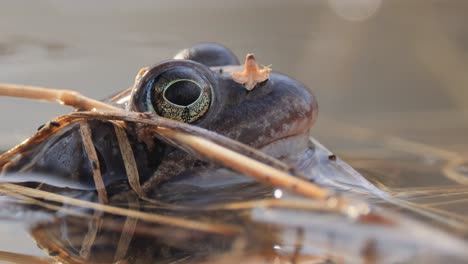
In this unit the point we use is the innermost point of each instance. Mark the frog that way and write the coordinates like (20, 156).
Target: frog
(191, 208)
(205, 86)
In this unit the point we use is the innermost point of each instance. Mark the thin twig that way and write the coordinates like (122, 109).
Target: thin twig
(248, 166)
(128, 159)
(19, 258)
(65, 97)
(154, 218)
(88, 145)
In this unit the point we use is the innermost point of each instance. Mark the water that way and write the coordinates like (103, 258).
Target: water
(389, 76)
(239, 219)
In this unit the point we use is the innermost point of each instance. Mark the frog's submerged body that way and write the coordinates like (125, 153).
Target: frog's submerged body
(275, 116)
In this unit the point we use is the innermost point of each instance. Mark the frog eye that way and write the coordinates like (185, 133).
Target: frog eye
(176, 89)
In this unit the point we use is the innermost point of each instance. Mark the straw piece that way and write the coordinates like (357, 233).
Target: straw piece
(66, 97)
(150, 217)
(246, 165)
(128, 160)
(19, 258)
(88, 145)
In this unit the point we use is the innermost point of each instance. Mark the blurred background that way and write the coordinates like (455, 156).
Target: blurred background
(398, 67)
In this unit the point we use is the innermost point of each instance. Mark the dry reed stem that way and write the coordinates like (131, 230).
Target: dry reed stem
(88, 145)
(19, 258)
(6, 188)
(128, 231)
(129, 160)
(248, 166)
(65, 97)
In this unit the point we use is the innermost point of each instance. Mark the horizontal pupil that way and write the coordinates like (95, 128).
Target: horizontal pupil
(183, 92)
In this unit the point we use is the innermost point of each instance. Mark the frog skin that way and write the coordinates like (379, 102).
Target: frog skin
(275, 117)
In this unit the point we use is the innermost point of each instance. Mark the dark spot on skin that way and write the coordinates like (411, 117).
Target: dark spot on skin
(102, 163)
(292, 171)
(40, 127)
(332, 157)
(53, 253)
(165, 251)
(95, 165)
(54, 124)
(267, 178)
(199, 163)
(294, 186)
(117, 187)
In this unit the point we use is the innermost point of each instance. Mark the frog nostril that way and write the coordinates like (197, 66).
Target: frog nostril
(183, 92)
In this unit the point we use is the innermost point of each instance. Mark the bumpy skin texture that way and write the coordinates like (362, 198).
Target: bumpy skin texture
(276, 109)
(209, 54)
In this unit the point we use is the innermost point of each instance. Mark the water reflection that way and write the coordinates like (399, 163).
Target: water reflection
(242, 221)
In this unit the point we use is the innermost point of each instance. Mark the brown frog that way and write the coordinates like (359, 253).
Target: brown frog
(204, 86)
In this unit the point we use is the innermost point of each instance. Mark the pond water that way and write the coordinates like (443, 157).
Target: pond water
(390, 76)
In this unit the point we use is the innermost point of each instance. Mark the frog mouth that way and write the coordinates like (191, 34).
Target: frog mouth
(287, 147)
